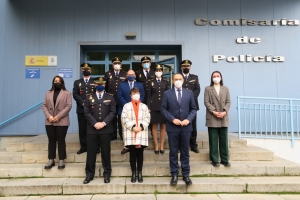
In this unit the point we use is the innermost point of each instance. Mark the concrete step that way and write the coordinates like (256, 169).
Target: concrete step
(40, 143)
(236, 154)
(277, 167)
(153, 185)
(161, 197)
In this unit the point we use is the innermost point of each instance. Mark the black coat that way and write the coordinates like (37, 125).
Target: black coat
(141, 78)
(103, 110)
(155, 93)
(81, 91)
(192, 84)
(112, 83)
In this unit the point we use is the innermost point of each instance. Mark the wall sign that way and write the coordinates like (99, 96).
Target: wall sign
(40, 61)
(65, 72)
(32, 73)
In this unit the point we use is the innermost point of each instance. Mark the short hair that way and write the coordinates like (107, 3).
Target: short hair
(134, 90)
(211, 78)
(177, 74)
(61, 81)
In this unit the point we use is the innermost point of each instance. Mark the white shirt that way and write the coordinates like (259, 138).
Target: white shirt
(145, 73)
(88, 79)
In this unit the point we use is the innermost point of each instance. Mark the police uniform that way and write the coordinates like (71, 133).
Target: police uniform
(154, 99)
(99, 110)
(111, 87)
(81, 90)
(192, 83)
(140, 77)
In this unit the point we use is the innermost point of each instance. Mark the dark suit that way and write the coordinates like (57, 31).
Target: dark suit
(155, 93)
(80, 91)
(141, 78)
(192, 83)
(111, 87)
(102, 110)
(179, 136)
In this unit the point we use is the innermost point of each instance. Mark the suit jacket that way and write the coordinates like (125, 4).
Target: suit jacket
(124, 94)
(155, 93)
(219, 103)
(141, 78)
(113, 82)
(103, 110)
(61, 109)
(128, 119)
(192, 83)
(171, 109)
(81, 90)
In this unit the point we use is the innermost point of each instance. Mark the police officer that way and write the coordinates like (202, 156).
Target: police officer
(99, 111)
(155, 93)
(114, 77)
(82, 88)
(191, 82)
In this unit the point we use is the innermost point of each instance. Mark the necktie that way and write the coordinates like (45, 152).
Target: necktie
(86, 81)
(147, 73)
(100, 96)
(117, 74)
(186, 78)
(131, 85)
(179, 96)
(158, 81)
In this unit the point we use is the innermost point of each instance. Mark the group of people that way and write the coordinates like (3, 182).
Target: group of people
(131, 104)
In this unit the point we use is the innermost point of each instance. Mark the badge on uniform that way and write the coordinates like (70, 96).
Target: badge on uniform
(152, 83)
(140, 75)
(192, 80)
(110, 77)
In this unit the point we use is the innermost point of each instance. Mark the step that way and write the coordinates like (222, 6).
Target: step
(151, 185)
(277, 167)
(40, 143)
(161, 197)
(236, 154)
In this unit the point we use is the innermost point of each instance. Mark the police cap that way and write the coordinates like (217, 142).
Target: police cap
(159, 67)
(145, 59)
(85, 66)
(116, 60)
(186, 62)
(100, 81)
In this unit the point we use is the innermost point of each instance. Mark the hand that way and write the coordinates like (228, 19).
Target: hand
(185, 122)
(101, 125)
(97, 126)
(149, 110)
(222, 114)
(82, 104)
(50, 119)
(137, 129)
(176, 122)
(55, 119)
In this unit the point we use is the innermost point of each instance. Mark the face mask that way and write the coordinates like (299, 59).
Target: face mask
(146, 65)
(58, 85)
(178, 84)
(158, 74)
(100, 88)
(135, 97)
(117, 67)
(186, 70)
(130, 78)
(86, 73)
(216, 80)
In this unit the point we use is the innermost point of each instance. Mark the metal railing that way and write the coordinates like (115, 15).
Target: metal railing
(21, 113)
(273, 118)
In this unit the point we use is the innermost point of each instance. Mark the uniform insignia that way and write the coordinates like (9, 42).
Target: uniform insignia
(93, 100)
(90, 96)
(192, 80)
(106, 101)
(79, 84)
(152, 83)
(110, 77)
(122, 78)
(140, 75)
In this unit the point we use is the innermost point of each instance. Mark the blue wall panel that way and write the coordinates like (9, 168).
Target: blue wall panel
(55, 27)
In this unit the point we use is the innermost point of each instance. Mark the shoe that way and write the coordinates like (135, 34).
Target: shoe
(87, 180)
(98, 151)
(195, 150)
(215, 164)
(133, 177)
(81, 151)
(61, 164)
(49, 164)
(124, 151)
(187, 180)
(174, 180)
(161, 151)
(140, 177)
(226, 164)
(156, 151)
(106, 179)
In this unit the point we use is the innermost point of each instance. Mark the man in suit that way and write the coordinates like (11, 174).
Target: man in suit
(178, 107)
(82, 88)
(99, 111)
(124, 94)
(191, 82)
(114, 77)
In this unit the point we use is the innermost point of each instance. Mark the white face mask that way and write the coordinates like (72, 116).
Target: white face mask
(117, 67)
(217, 80)
(178, 84)
(158, 74)
(135, 97)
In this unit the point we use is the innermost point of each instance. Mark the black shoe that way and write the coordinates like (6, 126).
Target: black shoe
(61, 164)
(49, 164)
(140, 177)
(195, 150)
(161, 151)
(156, 151)
(226, 164)
(87, 180)
(187, 180)
(124, 151)
(215, 164)
(133, 177)
(98, 151)
(106, 179)
(81, 151)
(174, 180)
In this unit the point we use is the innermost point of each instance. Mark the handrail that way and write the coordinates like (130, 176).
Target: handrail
(21, 113)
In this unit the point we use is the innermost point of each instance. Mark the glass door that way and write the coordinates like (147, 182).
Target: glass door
(169, 66)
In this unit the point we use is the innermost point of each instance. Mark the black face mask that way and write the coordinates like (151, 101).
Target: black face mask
(186, 70)
(86, 73)
(58, 85)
